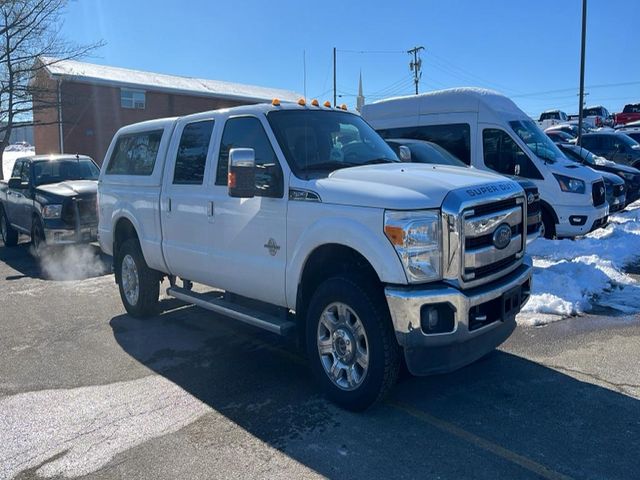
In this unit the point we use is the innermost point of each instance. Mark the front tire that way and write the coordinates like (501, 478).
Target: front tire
(351, 344)
(548, 226)
(139, 285)
(38, 240)
(9, 234)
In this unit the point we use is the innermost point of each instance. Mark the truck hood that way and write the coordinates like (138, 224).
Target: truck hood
(403, 186)
(70, 188)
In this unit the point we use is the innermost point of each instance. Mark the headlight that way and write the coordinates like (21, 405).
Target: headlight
(416, 237)
(569, 184)
(52, 211)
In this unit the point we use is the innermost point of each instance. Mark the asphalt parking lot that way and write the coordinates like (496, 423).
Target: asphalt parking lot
(85, 390)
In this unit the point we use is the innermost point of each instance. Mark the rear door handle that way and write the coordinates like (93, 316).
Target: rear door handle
(168, 205)
(210, 209)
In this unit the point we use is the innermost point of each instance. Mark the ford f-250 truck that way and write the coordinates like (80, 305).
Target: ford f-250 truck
(51, 198)
(304, 222)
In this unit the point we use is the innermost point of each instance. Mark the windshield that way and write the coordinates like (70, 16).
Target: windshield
(316, 142)
(579, 154)
(592, 112)
(56, 171)
(549, 116)
(429, 152)
(537, 141)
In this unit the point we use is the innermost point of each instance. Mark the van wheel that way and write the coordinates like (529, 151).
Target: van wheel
(9, 234)
(548, 227)
(351, 344)
(139, 285)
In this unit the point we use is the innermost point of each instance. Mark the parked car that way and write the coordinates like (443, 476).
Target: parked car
(300, 208)
(634, 124)
(51, 198)
(632, 132)
(487, 130)
(558, 136)
(630, 175)
(421, 151)
(567, 128)
(630, 113)
(597, 116)
(615, 191)
(614, 146)
(551, 117)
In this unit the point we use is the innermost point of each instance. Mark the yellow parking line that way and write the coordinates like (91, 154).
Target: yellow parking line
(480, 442)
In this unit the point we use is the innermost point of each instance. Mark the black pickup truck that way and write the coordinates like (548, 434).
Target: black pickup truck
(51, 198)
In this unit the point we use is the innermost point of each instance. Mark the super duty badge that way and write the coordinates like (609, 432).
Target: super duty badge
(491, 188)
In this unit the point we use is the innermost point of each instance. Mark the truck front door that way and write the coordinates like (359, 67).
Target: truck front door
(249, 239)
(186, 201)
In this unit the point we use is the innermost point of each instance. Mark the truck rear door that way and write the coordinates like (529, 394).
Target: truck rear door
(186, 200)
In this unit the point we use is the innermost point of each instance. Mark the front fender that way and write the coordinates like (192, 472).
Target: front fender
(372, 245)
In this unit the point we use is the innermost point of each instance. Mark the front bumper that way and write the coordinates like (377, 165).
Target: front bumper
(595, 216)
(57, 233)
(469, 338)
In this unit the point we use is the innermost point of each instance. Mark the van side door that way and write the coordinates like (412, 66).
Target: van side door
(186, 202)
(249, 245)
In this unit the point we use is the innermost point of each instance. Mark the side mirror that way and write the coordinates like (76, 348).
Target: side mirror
(15, 183)
(242, 173)
(404, 153)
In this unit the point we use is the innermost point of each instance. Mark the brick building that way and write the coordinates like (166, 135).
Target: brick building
(96, 100)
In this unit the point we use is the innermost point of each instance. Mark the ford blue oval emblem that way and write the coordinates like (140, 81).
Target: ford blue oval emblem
(502, 236)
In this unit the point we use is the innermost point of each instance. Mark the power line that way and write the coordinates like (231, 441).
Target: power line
(372, 51)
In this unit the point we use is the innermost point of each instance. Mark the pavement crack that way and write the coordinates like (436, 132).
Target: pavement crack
(620, 386)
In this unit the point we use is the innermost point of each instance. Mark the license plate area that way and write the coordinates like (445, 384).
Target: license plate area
(500, 308)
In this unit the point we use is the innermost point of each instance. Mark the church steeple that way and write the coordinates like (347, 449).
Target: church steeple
(360, 98)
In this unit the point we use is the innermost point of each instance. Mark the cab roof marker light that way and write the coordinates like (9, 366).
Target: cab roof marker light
(314, 102)
(275, 102)
(327, 104)
(302, 102)
(343, 106)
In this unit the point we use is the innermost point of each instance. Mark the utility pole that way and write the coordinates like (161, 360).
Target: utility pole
(415, 65)
(584, 37)
(335, 102)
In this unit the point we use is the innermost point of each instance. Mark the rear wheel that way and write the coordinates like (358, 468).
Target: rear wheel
(139, 285)
(351, 343)
(9, 234)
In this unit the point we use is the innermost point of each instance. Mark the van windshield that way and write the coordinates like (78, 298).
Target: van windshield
(316, 142)
(537, 141)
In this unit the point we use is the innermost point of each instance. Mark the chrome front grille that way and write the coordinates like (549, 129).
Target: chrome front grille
(474, 251)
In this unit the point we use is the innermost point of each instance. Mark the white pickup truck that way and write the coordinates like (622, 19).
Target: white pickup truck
(303, 222)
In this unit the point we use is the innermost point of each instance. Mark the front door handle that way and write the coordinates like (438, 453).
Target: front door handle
(168, 205)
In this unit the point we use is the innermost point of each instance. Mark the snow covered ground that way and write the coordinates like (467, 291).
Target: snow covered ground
(572, 277)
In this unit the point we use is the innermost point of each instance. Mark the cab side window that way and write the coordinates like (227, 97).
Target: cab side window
(192, 153)
(247, 132)
(502, 154)
(25, 172)
(17, 169)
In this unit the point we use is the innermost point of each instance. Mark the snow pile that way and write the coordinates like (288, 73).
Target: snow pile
(573, 276)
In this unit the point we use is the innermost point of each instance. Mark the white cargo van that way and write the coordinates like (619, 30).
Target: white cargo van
(487, 130)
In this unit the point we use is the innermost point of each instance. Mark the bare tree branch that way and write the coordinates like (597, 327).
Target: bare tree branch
(30, 42)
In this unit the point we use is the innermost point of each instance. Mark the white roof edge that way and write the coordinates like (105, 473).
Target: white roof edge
(142, 80)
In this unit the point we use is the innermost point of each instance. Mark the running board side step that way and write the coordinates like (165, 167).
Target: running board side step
(214, 302)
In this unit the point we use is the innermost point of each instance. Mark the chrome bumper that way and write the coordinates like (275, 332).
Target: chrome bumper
(58, 236)
(442, 352)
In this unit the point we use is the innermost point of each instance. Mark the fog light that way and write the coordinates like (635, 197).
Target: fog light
(438, 318)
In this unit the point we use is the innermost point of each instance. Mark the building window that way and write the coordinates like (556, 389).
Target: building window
(132, 99)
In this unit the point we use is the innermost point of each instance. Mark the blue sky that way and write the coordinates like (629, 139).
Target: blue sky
(528, 50)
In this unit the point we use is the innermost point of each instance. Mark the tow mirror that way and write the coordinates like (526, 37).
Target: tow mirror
(15, 183)
(242, 173)
(404, 153)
